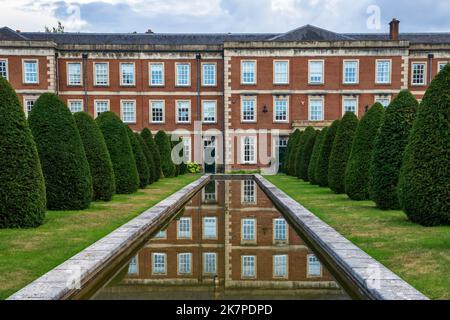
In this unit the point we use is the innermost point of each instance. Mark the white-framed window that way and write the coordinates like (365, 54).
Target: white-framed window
(316, 109)
(209, 111)
(183, 74)
(187, 149)
(209, 74)
(101, 73)
(183, 111)
(157, 111)
(316, 71)
(159, 261)
(101, 106)
(383, 71)
(419, 71)
(75, 105)
(350, 104)
(248, 72)
(133, 266)
(4, 68)
(351, 71)
(156, 74)
(248, 150)
(314, 267)
(162, 234)
(210, 263)
(209, 228)
(28, 104)
(184, 263)
(128, 111)
(441, 65)
(30, 72)
(184, 230)
(280, 72)
(127, 74)
(248, 194)
(280, 266)
(280, 230)
(248, 109)
(74, 74)
(280, 109)
(248, 230)
(248, 266)
(384, 100)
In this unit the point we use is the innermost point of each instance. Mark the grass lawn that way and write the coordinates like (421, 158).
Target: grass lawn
(419, 255)
(29, 253)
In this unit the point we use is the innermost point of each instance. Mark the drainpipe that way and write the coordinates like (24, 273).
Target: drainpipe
(198, 57)
(430, 67)
(85, 57)
(223, 115)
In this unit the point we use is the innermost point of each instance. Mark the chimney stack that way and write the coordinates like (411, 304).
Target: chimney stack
(394, 29)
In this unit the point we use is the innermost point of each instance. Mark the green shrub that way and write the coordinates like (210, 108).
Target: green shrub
(102, 172)
(318, 145)
(291, 142)
(183, 165)
(146, 134)
(66, 171)
(340, 153)
(324, 158)
(173, 144)
(164, 147)
(293, 152)
(22, 186)
(194, 167)
(140, 159)
(307, 152)
(389, 150)
(424, 185)
(119, 147)
(358, 166)
(300, 150)
(148, 157)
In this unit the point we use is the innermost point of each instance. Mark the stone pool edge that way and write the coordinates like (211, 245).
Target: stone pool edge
(69, 277)
(372, 279)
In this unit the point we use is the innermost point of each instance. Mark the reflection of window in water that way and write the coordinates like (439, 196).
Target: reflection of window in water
(314, 266)
(248, 266)
(248, 229)
(210, 228)
(209, 192)
(280, 229)
(280, 266)
(184, 228)
(249, 190)
(159, 263)
(210, 263)
(133, 266)
(184, 263)
(161, 235)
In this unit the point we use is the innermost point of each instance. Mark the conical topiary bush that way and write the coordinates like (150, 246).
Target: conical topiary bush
(298, 151)
(120, 151)
(22, 186)
(307, 152)
(340, 152)
(389, 148)
(324, 158)
(102, 172)
(146, 134)
(318, 145)
(64, 164)
(358, 166)
(148, 157)
(424, 185)
(293, 138)
(164, 147)
(140, 159)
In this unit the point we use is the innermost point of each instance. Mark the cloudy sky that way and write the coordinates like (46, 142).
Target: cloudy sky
(225, 15)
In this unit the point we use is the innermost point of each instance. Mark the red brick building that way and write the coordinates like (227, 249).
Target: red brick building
(242, 92)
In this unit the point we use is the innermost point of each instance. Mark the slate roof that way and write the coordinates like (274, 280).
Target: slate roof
(305, 33)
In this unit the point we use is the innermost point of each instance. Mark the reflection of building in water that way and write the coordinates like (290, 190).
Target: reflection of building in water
(231, 231)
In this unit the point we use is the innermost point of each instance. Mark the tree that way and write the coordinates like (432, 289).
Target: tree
(324, 158)
(298, 151)
(146, 134)
(102, 172)
(66, 170)
(148, 157)
(173, 144)
(310, 139)
(358, 166)
(318, 145)
(58, 29)
(340, 152)
(183, 165)
(140, 159)
(290, 146)
(424, 185)
(22, 191)
(164, 147)
(120, 151)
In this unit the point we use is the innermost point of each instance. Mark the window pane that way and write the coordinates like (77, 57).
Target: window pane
(350, 72)
(184, 263)
(383, 71)
(75, 106)
(184, 228)
(74, 74)
(210, 228)
(248, 266)
(316, 71)
(156, 74)
(31, 72)
(419, 73)
(209, 111)
(101, 74)
(157, 111)
(128, 111)
(127, 73)
(248, 72)
(249, 150)
(350, 105)
(316, 110)
(183, 74)
(209, 263)
(133, 266)
(280, 265)
(209, 74)
(3, 69)
(248, 229)
(101, 106)
(281, 109)
(314, 266)
(159, 263)
(248, 109)
(384, 101)
(249, 191)
(280, 230)
(281, 72)
(183, 111)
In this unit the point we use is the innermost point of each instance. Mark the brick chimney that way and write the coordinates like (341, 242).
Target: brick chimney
(394, 29)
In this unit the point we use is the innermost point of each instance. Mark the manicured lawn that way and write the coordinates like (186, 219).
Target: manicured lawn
(27, 254)
(419, 255)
